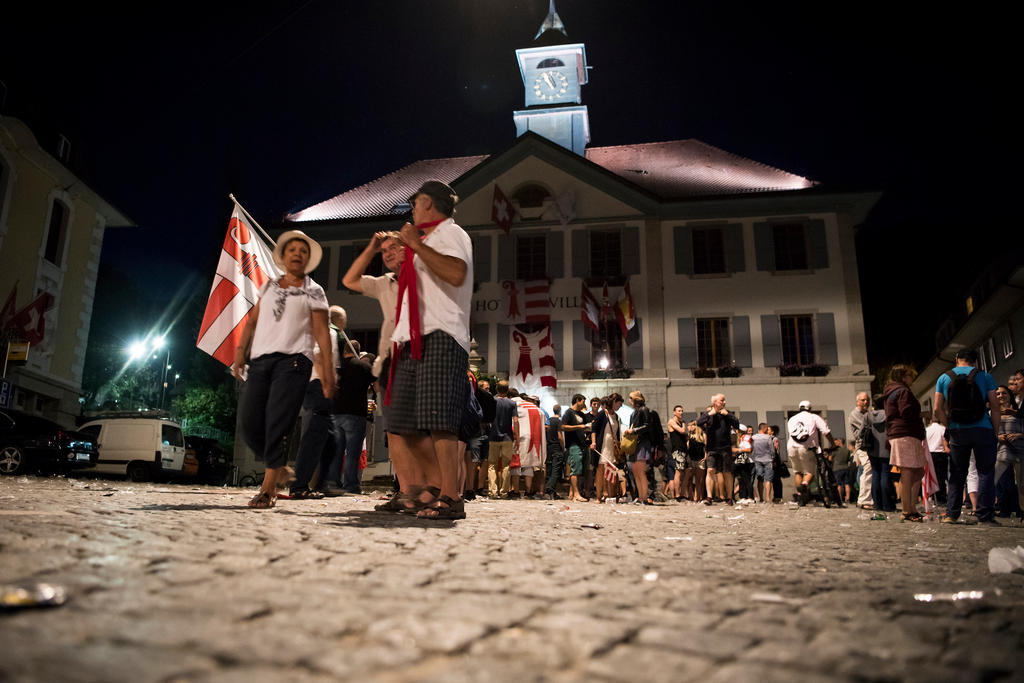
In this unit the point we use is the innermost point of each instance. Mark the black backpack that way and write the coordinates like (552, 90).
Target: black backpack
(966, 404)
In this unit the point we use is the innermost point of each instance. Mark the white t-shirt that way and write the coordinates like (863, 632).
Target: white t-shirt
(813, 425)
(442, 306)
(285, 324)
(335, 354)
(933, 434)
(385, 290)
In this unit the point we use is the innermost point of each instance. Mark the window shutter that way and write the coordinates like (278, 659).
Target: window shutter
(777, 418)
(682, 236)
(482, 258)
(741, 341)
(556, 343)
(734, 248)
(828, 354)
(818, 243)
(635, 351)
(482, 333)
(687, 343)
(771, 340)
(504, 333)
(555, 255)
(581, 347)
(764, 246)
(631, 251)
(580, 256)
(748, 418)
(346, 255)
(836, 420)
(506, 258)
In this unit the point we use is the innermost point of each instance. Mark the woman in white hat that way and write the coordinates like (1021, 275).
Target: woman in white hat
(277, 343)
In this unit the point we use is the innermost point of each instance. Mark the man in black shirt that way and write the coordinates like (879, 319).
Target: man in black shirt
(354, 378)
(556, 452)
(577, 440)
(718, 424)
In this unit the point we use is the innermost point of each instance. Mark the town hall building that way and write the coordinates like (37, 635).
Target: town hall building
(743, 277)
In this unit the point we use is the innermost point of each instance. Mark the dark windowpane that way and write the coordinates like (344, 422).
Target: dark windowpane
(797, 339)
(713, 342)
(606, 253)
(790, 246)
(531, 262)
(708, 251)
(549, 62)
(55, 233)
(609, 351)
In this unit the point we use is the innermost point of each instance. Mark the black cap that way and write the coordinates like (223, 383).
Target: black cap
(444, 196)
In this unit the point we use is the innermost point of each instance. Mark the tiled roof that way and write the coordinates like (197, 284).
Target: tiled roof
(380, 197)
(687, 168)
(675, 169)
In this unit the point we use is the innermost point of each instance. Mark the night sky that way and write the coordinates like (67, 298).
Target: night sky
(285, 104)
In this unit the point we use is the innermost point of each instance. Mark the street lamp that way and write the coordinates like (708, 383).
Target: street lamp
(137, 350)
(161, 343)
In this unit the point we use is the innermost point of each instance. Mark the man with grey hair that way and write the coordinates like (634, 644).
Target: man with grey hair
(858, 420)
(718, 424)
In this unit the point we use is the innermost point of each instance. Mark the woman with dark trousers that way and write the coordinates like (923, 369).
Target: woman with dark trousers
(278, 345)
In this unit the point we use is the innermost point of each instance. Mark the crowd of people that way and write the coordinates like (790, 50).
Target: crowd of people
(452, 438)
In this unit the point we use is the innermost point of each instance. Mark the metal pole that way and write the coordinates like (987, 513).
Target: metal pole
(163, 387)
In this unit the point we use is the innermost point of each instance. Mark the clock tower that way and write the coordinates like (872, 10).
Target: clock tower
(554, 72)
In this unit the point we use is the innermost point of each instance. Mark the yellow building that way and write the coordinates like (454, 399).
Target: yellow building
(51, 235)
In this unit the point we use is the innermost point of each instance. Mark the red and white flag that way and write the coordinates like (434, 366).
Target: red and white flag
(533, 357)
(590, 310)
(527, 302)
(245, 265)
(611, 473)
(532, 444)
(30, 322)
(502, 211)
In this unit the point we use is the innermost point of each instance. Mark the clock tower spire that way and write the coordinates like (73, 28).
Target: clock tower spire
(553, 72)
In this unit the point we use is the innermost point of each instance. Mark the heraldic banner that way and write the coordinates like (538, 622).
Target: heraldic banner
(532, 360)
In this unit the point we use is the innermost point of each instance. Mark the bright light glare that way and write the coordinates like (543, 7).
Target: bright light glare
(602, 363)
(137, 350)
(158, 342)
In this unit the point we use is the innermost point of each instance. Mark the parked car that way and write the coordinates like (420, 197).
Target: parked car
(214, 461)
(141, 448)
(30, 442)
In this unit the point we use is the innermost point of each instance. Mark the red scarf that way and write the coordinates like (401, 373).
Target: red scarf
(407, 284)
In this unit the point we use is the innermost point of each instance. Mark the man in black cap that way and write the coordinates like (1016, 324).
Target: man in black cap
(428, 388)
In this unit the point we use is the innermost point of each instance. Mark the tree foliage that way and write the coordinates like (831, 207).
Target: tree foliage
(209, 406)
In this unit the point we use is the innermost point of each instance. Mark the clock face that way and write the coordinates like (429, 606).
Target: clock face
(550, 86)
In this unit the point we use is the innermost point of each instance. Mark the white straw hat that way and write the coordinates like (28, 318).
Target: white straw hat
(315, 251)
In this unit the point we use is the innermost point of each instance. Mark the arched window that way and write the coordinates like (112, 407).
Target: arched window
(531, 196)
(550, 62)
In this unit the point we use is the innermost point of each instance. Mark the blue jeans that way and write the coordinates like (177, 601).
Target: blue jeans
(318, 432)
(350, 429)
(880, 484)
(961, 442)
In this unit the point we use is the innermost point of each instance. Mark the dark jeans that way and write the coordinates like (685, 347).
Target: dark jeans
(556, 469)
(983, 443)
(744, 475)
(880, 484)
(941, 462)
(351, 430)
(273, 395)
(317, 445)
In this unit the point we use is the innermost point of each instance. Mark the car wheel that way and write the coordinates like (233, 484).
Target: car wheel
(12, 460)
(138, 471)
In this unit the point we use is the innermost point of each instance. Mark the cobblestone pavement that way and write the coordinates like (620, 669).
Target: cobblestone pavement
(184, 583)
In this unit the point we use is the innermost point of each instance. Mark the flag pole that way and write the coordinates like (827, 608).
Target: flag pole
(251, 219)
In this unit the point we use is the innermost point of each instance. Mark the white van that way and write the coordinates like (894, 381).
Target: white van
(137, 447)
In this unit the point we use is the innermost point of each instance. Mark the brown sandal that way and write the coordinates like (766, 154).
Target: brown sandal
(262, 501)
(444, 508)
(412, 503)
(395, 503)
